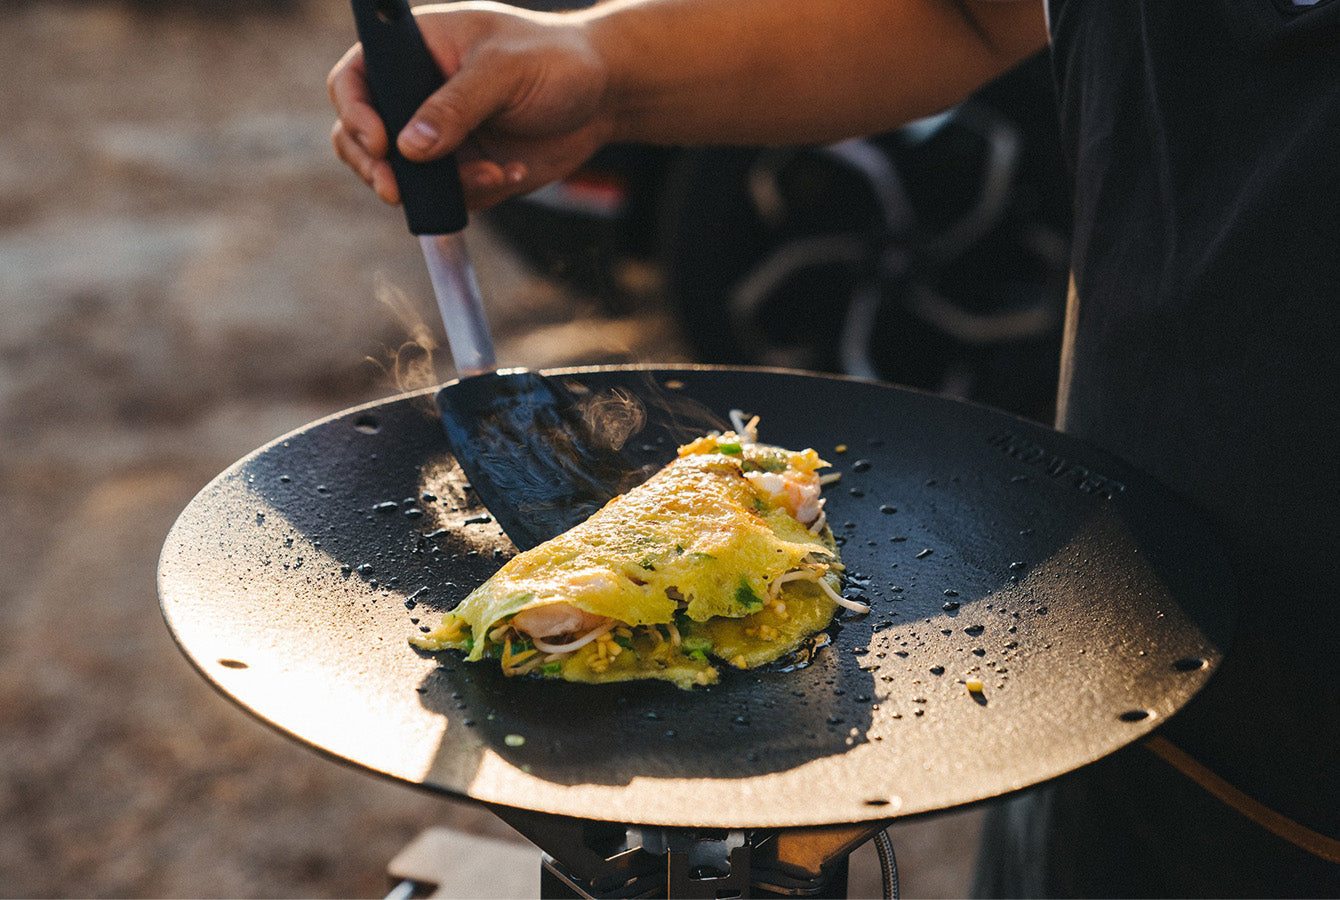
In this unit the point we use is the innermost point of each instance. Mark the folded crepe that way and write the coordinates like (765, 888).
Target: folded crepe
(724, 555)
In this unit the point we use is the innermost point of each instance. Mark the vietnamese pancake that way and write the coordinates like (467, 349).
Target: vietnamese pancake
(722, 557)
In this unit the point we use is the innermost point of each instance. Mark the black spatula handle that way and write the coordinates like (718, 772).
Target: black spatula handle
(401, 75)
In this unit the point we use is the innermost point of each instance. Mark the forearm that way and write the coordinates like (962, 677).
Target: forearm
(798, 71)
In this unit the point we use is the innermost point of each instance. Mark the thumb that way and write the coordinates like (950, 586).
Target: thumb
(451, 113)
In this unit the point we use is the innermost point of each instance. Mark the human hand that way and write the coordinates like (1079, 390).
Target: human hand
(522, 105)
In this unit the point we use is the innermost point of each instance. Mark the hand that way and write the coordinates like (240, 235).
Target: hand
(522, 105)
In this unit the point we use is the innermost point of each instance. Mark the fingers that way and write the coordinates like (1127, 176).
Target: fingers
(375, 172)
(361, 142)
(441, 126)
(487, 183)
(517, 109)
(447, 118)
(358, 136)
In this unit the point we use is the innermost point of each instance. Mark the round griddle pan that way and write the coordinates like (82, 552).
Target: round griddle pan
(1089, 603)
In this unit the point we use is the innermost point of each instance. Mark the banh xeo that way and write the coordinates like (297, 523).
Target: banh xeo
(724, 554)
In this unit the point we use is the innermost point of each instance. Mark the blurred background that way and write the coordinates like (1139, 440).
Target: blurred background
(186, 273)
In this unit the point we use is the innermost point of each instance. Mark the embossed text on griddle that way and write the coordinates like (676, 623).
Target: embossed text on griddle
(1062, 469)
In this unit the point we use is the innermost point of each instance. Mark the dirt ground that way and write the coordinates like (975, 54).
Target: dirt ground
(185, 274)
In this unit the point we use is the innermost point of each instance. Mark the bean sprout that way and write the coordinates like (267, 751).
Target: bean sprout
(854, 605)
(578, 643)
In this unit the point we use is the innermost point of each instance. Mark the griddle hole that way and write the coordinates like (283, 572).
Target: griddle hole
(1190, 664)
(367, 424)
(1135, 715)
(877, 801)
(233, 664)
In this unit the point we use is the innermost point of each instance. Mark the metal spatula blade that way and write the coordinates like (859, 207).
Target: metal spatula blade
(537, 458)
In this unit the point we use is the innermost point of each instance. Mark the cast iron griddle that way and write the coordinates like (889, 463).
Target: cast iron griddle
(1089, 602)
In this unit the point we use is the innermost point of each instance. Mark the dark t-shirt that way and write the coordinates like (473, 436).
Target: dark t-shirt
(1204, 138)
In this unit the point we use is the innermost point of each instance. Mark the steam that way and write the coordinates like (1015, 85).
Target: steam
(409, 366)
(613, 417)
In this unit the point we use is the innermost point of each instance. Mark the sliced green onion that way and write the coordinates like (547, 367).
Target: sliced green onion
(694, 645)
(747, 597)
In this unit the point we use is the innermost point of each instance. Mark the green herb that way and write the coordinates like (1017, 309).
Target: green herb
(765, 462)
(746, 596)
(551, 668)
(624, 642)
(699, 655)
(694, 645)
(730, 449)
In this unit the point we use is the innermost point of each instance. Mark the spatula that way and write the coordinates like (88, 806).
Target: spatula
(534, 458)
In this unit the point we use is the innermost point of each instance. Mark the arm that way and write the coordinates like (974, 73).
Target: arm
(799, 71)
(531, 95)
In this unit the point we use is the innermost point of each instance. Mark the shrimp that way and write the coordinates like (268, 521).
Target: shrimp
(797, 492)
(552, 619)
